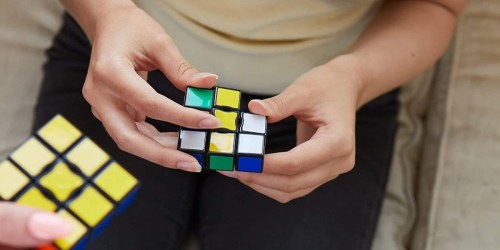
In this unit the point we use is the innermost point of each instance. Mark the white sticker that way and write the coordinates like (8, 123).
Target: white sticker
(254, 123)
(251, 144)
(194, 140)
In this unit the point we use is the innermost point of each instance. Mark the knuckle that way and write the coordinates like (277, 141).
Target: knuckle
(104, 67)
(162, 40)
(149, 106)
(295, 166)
(345, 145)
(283, 198)
(124, 141)
(348, 165)
(87, 92)
(183, 68)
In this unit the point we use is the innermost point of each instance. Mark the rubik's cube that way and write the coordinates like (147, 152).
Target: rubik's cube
(239, 144)
(61, 170)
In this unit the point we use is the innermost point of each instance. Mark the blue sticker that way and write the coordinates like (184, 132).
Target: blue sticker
(250, 164)
(199, 158)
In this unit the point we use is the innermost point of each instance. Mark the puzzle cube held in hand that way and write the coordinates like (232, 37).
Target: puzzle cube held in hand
(239, 144)
(61, 170)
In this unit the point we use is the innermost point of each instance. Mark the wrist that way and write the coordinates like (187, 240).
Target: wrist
(350, 70)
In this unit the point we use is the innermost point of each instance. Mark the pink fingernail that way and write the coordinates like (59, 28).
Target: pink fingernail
(205, 74)
(47, 226)
(189, 166)
(210, 123)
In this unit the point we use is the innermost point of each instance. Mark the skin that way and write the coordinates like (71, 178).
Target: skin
(403, 40)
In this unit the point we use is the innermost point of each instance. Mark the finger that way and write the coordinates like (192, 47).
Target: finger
(123, 129)
(304, 132)
(279, 107)
(138, 116)
(304, 157)
(280, 196)
(96, 115)
(27, 227)
(143, 75)
(181, 73)
(292, 183)
(167, 139)
(129, 86)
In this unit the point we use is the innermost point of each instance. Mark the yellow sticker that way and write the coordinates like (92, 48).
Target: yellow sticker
(12, 180)
(61, 181)
(91, 206)
(228, 119)
(115, 181)
(221, 143)
(228, 98)
(59, 133)
(34, 198)
(33, 157)
(88, 156)
(77, 232)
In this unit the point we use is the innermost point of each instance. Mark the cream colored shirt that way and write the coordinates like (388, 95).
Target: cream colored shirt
(260, 46)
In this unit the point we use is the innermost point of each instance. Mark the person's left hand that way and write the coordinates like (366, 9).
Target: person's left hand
(324, 101)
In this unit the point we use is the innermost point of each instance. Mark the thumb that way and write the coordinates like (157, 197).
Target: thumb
(27, 227)
(178, 70)
(277, 107)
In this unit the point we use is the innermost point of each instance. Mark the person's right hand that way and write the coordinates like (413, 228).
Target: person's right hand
(25, 227)
(126, 44)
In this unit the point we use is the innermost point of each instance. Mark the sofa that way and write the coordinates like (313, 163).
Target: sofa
(444, 188)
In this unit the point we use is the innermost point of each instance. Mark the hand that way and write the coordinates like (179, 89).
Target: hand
(324, 101)
(27, 227)
(126, 44)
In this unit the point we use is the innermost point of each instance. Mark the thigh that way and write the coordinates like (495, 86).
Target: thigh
(160, 215)
(342, 214)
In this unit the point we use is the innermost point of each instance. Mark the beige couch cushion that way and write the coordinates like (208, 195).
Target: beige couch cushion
(461, 204)
(26, 30)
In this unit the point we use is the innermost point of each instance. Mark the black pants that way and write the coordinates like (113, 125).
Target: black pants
(342, 214)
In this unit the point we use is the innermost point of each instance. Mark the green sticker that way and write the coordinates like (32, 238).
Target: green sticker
(224, 163)
(199, 98)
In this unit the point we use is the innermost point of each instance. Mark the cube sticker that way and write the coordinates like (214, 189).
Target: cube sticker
(250, 164)
(221, 162)
(192, 140)
(222, 142)
(250, 144)
(239, 144)
(229, 120)
(251, 123)
(61, 170)
(199, 98)
(227, 98)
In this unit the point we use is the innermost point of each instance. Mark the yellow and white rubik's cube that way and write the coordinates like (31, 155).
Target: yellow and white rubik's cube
(239, 144)
(61, 170)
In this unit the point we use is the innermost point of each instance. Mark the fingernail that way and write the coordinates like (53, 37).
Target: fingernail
(205, 74)
(47, 226)
(230, 174)
(210, 123)
(189, 166)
